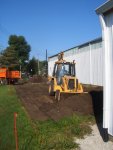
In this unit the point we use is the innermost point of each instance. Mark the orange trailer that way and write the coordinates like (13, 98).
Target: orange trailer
(7, 76)
(13, 76)
(3, 74)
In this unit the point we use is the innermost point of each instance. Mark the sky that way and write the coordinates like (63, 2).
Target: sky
(55, 25)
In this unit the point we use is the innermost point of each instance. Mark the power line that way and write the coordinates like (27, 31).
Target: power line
(4, 30)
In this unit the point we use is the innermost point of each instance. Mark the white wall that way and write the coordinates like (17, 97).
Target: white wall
(89, 63)
(82, 60)
(51, 62)
(97, 64)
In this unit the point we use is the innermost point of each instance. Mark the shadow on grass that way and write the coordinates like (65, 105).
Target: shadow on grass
(97, 100)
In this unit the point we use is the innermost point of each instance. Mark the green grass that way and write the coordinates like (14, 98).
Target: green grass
(60, 135)
(36, 135)
(8, 105)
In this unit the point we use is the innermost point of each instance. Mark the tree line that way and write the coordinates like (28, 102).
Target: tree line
(16, 57)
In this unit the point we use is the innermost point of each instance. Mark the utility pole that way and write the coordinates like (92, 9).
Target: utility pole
(46, 64)
(38, 66)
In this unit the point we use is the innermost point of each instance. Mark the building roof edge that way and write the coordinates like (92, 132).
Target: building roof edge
(86, 43)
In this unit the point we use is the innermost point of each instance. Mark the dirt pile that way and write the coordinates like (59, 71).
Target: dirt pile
(41, 106)
(37, 79)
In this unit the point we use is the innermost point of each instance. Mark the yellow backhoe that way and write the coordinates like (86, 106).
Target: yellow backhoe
(64, 78)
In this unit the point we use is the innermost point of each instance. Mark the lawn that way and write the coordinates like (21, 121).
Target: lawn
(37, 135)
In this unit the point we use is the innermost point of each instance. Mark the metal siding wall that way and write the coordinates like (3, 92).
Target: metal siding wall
(97, 64)
(51, 62)
(89, 63)
(83, 65)
(81, 57)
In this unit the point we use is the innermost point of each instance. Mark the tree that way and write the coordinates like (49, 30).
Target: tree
(9, 57)
(43, 67)
(33, 66)
(16, 53)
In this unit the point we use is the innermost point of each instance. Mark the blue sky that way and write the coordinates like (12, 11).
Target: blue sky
(54, 25)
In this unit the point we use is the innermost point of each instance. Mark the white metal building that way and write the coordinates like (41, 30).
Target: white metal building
(105, 13)
(89, 61)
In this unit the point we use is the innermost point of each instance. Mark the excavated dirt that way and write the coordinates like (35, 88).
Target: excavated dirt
(41, 106)
(37, 79)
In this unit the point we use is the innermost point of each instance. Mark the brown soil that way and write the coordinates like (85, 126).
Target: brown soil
(41, 106)
(37, 79)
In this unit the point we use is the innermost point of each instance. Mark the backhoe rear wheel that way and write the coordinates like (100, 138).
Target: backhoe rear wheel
(57, 95)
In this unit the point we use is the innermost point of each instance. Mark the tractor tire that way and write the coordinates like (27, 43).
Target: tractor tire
(5, 82)
(57, 95)
(51, 93)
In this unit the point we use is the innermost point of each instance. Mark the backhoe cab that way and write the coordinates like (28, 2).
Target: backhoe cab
(64, 78)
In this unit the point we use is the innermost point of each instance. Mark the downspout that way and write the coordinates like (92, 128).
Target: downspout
(90, 64)
(106, 72)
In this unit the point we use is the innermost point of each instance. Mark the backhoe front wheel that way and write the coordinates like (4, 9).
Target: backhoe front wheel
(51, 93)
(57, 95)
